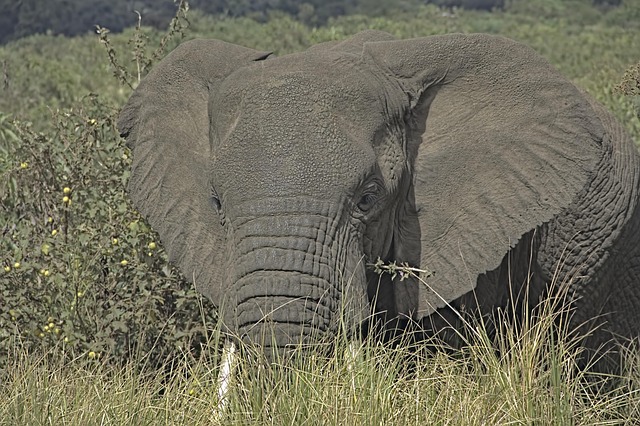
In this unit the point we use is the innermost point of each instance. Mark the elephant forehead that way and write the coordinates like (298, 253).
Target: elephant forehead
(319, 92)
(292, 133)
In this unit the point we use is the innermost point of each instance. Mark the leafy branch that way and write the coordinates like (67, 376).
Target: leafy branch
(630, 84)
(143, 61)
(403, 270)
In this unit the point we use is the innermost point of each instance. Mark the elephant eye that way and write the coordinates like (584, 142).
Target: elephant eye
(367, 201)
(215, 201)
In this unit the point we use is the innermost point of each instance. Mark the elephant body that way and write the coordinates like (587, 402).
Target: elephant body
(275, 183)
(595, 241)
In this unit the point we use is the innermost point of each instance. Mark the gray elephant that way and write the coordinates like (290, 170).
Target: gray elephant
(275, 182)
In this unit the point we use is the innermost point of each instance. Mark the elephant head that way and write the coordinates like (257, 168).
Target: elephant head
(274, 182)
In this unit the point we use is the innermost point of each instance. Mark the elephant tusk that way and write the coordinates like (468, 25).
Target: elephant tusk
(352, 353)
(227, 368)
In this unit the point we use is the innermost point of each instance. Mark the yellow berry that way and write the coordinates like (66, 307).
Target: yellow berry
(114, 241)
(51, 325)
(124, 262)
(80, 294)
(66, 190)
(41, 335)
(93, 121)
(91, 355)
(54, 232)
(24, 164)
(56, 330)
(16, 265)
(7, 268)
(65, 199)
(49, 219)
(66, 340)
(152, 245)
(150, 254)
(46, 273)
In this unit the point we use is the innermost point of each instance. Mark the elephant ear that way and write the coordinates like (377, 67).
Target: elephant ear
(166, 124)
(499, 143)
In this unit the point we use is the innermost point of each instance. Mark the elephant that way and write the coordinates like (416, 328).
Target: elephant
(275, 183)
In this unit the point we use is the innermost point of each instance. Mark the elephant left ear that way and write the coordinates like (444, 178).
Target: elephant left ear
(498, 142)
(167, 125)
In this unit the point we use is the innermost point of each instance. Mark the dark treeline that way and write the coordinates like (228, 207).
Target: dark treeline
(72, 17)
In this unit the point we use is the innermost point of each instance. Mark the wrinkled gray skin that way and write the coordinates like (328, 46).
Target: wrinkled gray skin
(273, 182)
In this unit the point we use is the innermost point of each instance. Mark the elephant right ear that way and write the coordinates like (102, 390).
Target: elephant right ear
(166, 124)
(498, 142)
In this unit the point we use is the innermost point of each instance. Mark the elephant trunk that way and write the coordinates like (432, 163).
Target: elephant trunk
(289, 289)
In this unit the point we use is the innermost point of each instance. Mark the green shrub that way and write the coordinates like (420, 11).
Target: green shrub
(79, 266)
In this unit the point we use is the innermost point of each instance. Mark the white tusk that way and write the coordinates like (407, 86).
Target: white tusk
(351, 355)
(353, 350)
(227, 367)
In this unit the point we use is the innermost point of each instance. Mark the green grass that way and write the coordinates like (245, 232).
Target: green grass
(530, 379)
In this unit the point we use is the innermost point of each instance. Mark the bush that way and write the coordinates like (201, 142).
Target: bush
(79, 267)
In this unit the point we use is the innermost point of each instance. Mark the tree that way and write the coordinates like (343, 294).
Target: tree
(73, 17)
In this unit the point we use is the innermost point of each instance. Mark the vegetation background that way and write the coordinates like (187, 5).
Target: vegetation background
(86, 289)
